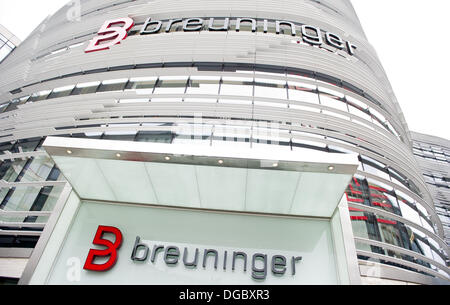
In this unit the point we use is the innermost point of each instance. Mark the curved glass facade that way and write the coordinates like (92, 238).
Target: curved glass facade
(280, 96)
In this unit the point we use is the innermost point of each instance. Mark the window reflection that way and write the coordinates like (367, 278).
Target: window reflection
(383, 197)
(113, 85)
(141, 85)
(378, 228)
(39, 96)
(171, 85)
(374, 167)
(61, 92)
(86, 88)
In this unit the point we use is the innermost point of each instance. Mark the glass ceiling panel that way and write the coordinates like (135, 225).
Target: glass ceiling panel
(207, 179)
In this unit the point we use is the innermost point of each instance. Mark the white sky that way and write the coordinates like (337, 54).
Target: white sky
(410, 39)
(409, 36)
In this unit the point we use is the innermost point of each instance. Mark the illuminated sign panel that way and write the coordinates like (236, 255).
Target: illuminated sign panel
(172, 255)
(114, 31)
(148, 245)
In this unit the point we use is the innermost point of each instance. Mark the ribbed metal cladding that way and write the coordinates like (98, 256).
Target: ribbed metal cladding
(433, 155)
(53, 57)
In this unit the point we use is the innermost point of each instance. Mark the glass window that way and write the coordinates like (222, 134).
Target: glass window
(38, 169)
(358, 191)
(237, 86)
(427, 224)
(333, 101)
(424, 215)
(382, 196)
(398, 178)
(4, 51)
(236, 143)
(113, 85)
(61, 92)
(299, 142)
(374, 167)
(357, 104)
(86, 88)
(421, 241)
(270, 88)
(9, 171)
(436, 251)
(331, 92)
(269, 135)
(45, 201)
(365, 225)
(121, 132)
(232, 133)
(203, 85)
(303, 92)
(408, 207)
(119, 136)
(155, 136)
(29, 144)
(171, 85)
(24, 99)
(3, 107)
(391, 128)
(192, 133)
(7, 146)
(142, 85)
(390, 232)
(378, 116)
(13, 105)
(39, 96)
(360, 113)
(19, 199)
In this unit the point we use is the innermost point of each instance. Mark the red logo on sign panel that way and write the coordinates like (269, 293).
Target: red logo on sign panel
(111, 249)
(111, 33)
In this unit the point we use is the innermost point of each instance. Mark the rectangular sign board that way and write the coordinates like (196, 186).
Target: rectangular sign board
(162, 246)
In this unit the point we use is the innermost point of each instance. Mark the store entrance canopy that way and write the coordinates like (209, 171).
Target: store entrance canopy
(213, 178)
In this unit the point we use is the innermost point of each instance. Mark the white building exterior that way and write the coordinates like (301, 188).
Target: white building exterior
(291, 85)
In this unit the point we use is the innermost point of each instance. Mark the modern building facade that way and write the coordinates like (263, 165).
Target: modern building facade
(280, 111)
(8, 42)
(433, 155)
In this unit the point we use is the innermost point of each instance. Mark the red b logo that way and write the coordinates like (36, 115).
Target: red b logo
(113, 35)
(110, 251)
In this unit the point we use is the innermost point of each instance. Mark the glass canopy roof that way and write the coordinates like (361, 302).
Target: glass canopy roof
(248, 180)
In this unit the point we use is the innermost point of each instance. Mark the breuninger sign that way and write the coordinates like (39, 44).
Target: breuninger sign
(114, 31)
(171, 255)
